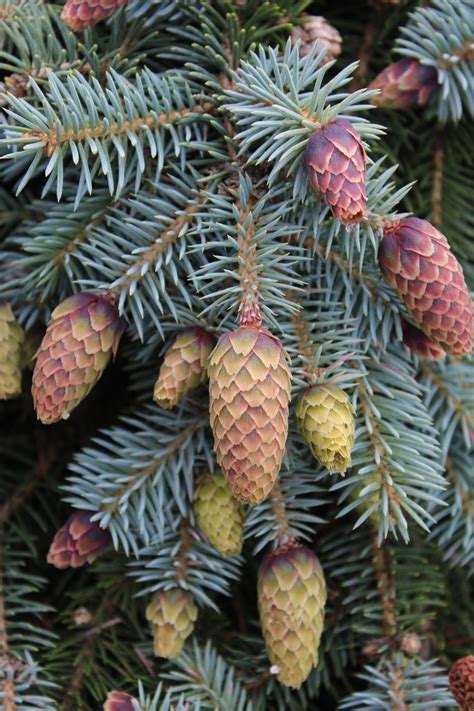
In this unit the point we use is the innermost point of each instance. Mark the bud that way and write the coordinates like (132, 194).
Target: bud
(81, 14)
(172, 614)
(417, 342)
(334, 161)
(79, 541)
(81, 337)
(120, 701)
(410, 643)
(404, 84)
(219, 515)
(11, 342)
(461, 682)
(316, 29)
(184, 366)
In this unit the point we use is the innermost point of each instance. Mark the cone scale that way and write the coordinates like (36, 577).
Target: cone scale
(404, 84)
(78, 542)
(172, 614)
(11, 343)
(219, 515)
(461, 682)
(81, 14)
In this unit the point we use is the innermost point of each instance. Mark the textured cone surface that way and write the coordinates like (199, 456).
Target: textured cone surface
(417, 262)
(119, 701)
(317, 29)
(184, 366)
(219, 514)
(81, 337)
(404, 84)
(249, 387)
(418, 342)
(81, 14)
(326, 419)
(291, 600)
(11, 342)
(461, 682)
(172, 614)
(334, 161)
(78, 542)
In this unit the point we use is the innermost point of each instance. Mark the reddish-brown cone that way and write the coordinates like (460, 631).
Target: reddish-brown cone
(334, 161)
(404, 84)
(119, 701)
(416, 260)
(461, 682)
(79, 541)
(418, 342)
(81, 14)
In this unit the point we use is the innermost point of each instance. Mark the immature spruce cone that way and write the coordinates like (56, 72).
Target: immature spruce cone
(317, 29)
(78, 542)
(172, 614)
(249, 386)
(334, 161)
(291, 600)
(326, 419)
(119, 701)
(418, 342)
(416, 260)
(11, 342)
(82, 335)
(184, 366)
(461, 682)
(81, 14)
(219, 514)
(404, 84)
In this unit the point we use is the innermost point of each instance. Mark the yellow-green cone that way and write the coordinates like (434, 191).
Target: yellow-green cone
(11, 342)
(172, 614)
(326, 419)
(219, 514)
(291, 600)
(184, 366)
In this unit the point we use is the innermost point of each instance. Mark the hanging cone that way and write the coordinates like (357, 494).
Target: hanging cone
(417, 342)
(172, 614)
(316, 29)
(417, 262)
(291, 600)
(11, 342)
(249, 387)
(219, 515)
(461, 682)
(78, 542)
(404, 84)
(81, 14)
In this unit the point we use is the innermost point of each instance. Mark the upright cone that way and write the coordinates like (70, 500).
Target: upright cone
(83, 334)
(78, 542)
(11, 342)
(404, 84)
(120, 701)
(219, 514)
(291, 600)
(249, 387)
(334, 161)
(81, 14)
(461, 682)
(417, 262)
(172, 614)
(317, 29)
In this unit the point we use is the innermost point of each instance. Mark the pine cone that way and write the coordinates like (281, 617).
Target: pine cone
(219, 515)
(461, 682)
(172, 614)
(11, 342)
(184, 366)
(249, 385)
(291, 600)
(120, 701)
(334, 161)
(326, 419)
(81, 14)
(404, 84)
(317, 29)
(417, 262)
(417, 342)
(79, 541)
(83, 333)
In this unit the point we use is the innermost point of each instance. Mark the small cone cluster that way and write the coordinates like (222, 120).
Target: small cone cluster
(172, 614)
(316, 29)
(11, 342)
(81, 14)
(326, 419)
(417, 262)
(184, 366)
(418, 342)
(405, 84)
(219, 515)
(81, 337)
(78, 542)
(334, 161)
(249, 387)
(120, 701)
(461, 682)
(291, 600)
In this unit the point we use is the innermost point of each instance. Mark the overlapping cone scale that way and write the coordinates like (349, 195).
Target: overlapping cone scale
(417, 262)
(81, 14)
(404, 84)
(461, 682)
(172, 614)
(184, 366)
(78, 542)
(249, 386)
(219, 514)
(119, 701)
(317, 29)
(81, 337)
(11, 343)
(334, 161)
(291, 600)
(418, 342)
(326, 419)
